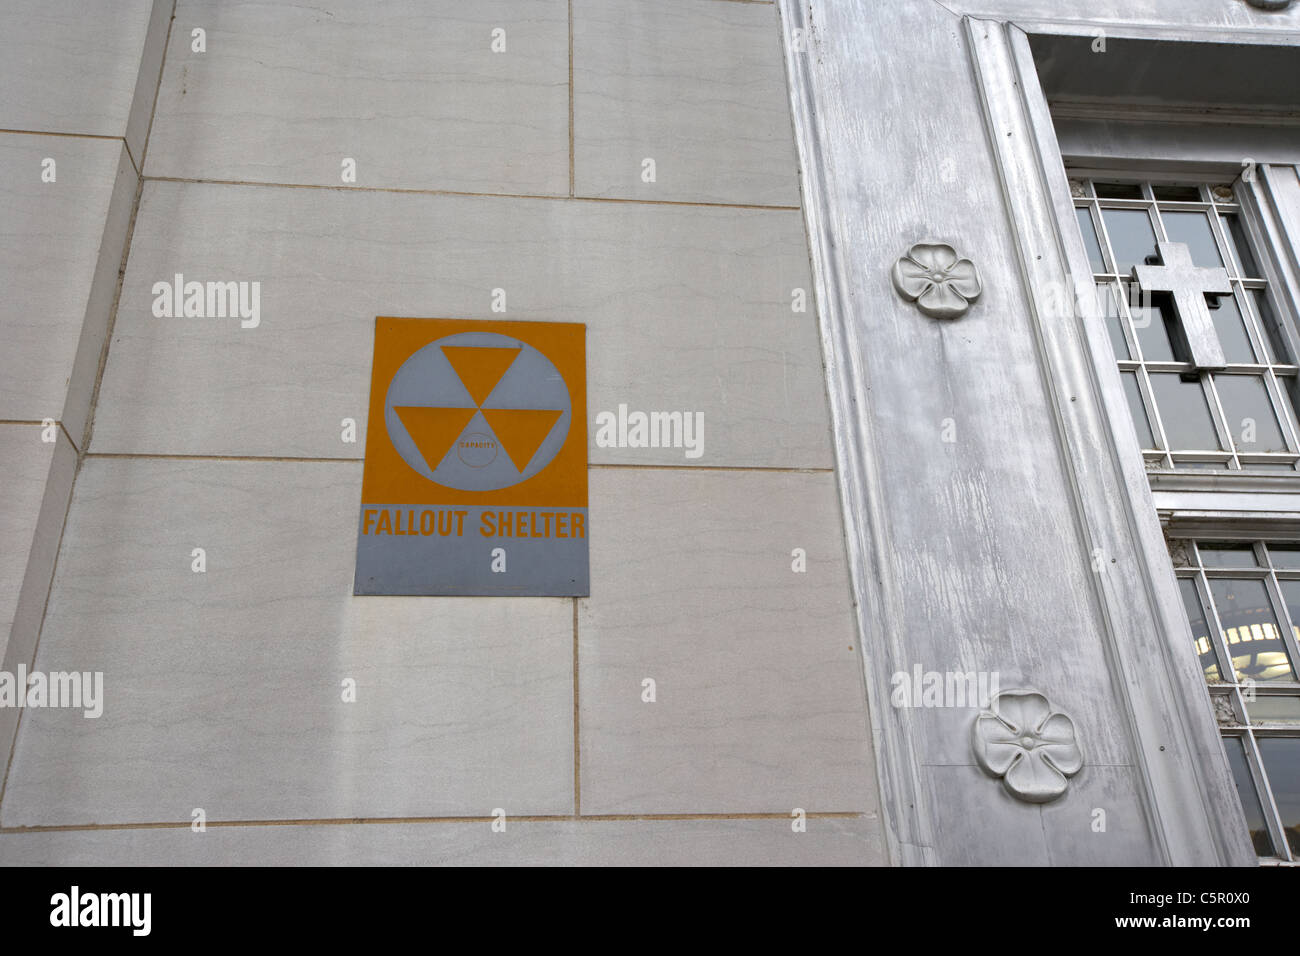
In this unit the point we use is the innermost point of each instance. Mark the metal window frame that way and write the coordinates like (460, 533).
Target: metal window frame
(1185, 791)
(1257, 212)
(1246, 728)
(1031, 155)
(1268, 371)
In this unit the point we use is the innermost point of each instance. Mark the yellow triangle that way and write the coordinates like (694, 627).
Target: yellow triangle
(521, 430)
(479, 367)
(434, 429)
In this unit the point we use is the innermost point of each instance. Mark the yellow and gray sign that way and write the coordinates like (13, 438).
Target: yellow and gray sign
(475, 478)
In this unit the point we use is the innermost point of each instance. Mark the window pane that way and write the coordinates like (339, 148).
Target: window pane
(1110, 309)
(1273, 336)
(1236, 751)
(1131, 237)
(1286, 386)
(1193, 228)
(1090, 240)
(1134, 396)
(1184, 412)
(1231, 329)
(1285, 555)
(1114, 190)
(1290, 593)
(1200, 632)
(1240, 248)
(1250, 413)
(1227, 555)
(1151, 323)
(1274, 710)
(1281, 759)
(1171, 193)
(1250, 629)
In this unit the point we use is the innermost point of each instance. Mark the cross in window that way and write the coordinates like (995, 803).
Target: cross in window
(1188, 284)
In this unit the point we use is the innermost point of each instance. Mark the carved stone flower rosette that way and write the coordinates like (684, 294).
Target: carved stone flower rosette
(941, 283)
(1031, 746)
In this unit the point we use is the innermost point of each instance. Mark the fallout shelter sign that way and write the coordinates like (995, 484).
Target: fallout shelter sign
(475, 479)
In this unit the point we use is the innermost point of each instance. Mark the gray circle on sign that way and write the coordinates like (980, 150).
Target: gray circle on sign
(477, 450)
(428, 379)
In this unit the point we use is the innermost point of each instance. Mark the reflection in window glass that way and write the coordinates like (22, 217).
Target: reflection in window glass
(1286, 387)
(1151, 323)
(1169, 192)
(1193, 228)
(1273, 337)
(1285, 555)
(1291, 595)
(1250, 629)
(1249, 412)
(1232, 330)
(1281, 759)
(1114, 321)
(1200, 632)
(1274, 710)
(1118, 190)
(1090, 240)
(1184, 412)
(1240, 248)
(1279, 467)
(1140, 422)
(1132, 238)
(1249, 798)
(1227, 555)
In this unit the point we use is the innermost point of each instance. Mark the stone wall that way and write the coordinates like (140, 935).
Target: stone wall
(499, 145)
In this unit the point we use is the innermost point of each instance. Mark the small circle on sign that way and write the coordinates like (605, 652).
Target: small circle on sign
(477, 449)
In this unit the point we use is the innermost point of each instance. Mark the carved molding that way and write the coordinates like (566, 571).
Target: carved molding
(1178, 553)
(1027, 743)
(940, 282)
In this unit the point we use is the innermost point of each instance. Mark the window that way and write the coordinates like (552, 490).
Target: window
(1209, 374)
(1243, 602)
(1216, 394)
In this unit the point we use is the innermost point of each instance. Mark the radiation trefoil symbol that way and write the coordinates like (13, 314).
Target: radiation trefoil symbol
(477, 411)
